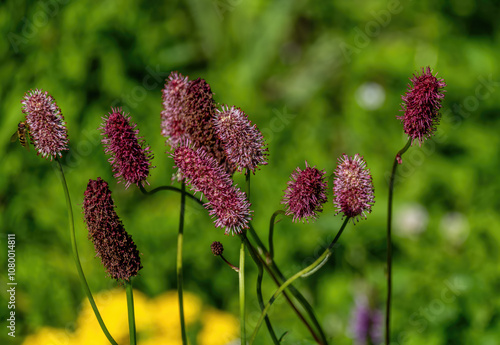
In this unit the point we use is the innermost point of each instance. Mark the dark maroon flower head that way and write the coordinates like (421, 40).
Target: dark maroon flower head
(366, 324)
(353, 187)
(118, 252)
(226, 203)
(130, 157)
(189, 110)
(243, 143)
(45, 123)
(421, 104)
(305, 194)
(217, 248)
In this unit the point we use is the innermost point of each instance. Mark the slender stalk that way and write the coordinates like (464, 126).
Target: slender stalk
(296, 276)
(242, 291)
(271, 232)
(77, 258)
(179, 263)
(130, 307)
(389, 243)
(172, 188)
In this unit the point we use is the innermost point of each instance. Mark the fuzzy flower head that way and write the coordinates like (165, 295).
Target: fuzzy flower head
(46, 123)
(130, 157)
(421, 104)
(118, 252)
(226, 203)
(217, 248)
(189, 111)
(353, 187)
(243, 143)
(305, 194)
(366, 323)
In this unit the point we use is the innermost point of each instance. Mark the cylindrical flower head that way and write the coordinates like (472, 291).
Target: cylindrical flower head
(217, 248)
(189, 110)
(130, 157)
(243, 143)
(305, 194)
(226, 203)
(353, 187)
(421, 104)
(46, 123)
(117, 250)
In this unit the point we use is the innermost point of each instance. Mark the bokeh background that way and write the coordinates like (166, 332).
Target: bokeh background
(319, 78)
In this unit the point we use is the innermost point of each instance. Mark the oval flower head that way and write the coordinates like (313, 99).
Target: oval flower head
(226, 203)
(112, 243)
(353, 187)
(421, 104)
(243, 143)
(130, 157)
(305, 194)
(47, 128)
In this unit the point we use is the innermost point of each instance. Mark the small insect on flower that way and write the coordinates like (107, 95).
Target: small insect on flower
(22, 134)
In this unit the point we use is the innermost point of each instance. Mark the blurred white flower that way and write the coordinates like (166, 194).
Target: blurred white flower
(411, 220)
(454, 227)
(370, 96)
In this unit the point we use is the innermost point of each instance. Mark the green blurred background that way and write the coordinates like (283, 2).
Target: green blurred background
(319, 78)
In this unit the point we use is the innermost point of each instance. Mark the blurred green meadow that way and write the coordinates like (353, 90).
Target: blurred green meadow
(319, 78)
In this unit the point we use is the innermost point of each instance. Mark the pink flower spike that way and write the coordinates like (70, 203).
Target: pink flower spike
(130, 157)
(305, 194)
(46, 125)
(353, 187)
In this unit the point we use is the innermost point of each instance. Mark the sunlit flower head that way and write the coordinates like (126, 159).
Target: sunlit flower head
(421, 104)
(243, 143)
(112, 243)
(305, 194)
(226, 203)
(45, 121)
(130, 156)
(353, 187)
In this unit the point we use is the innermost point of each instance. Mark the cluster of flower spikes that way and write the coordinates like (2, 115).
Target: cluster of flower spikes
(305, 194)
(130, 157)
(421, 104)
(243, 143)
(47, 128)
(353, 187)
(112, 243)
(189, 111)
(226, 202)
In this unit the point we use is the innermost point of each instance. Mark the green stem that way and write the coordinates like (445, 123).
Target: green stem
(318, 261)
(175, 189)
(242, 291)
(271, 232)
(389, 242)
(77, 258)
(130, 306)
(179, 263)
(247, 180)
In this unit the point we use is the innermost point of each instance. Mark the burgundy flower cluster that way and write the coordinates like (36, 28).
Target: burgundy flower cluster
(225, 202)
(353, 187)
(116, 248)
(421, 105)
(189, 111)
(305, 194)
(46, 123)
(243, 143)
(130, 157)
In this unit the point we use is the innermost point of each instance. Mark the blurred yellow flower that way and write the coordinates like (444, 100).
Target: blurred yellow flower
(218, 328)
(50, 336)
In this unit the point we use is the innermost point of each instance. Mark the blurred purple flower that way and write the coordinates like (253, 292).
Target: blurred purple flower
(130, 157)
(45, 123)
(189, 111)
(117, 250)
(305, 194)
(421, 104)
(366, 324)
(243, 143)
(225, 202)
(353, 187)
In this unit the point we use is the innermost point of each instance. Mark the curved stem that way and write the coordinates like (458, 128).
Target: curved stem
(294, 277)
(130, 307)
(271, 232)
(172, 188)
(397, 159)
(179, 263)
(77, 258)
(241, 273)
